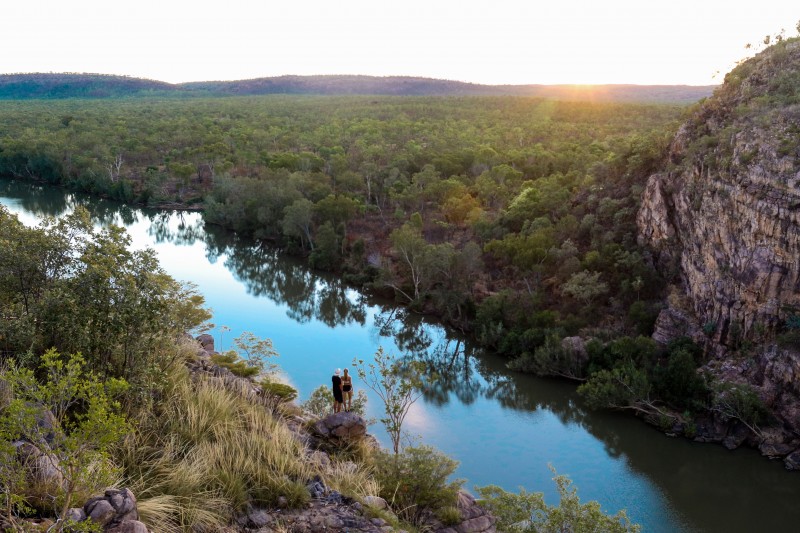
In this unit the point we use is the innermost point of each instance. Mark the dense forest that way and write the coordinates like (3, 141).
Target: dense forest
(73, 85)
(510, 218)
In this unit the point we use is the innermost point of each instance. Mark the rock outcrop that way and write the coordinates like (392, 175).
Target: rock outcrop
(723, 222)
(728, 212)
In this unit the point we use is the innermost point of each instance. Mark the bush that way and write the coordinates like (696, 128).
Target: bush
(235, 364)
(286, 393)
(415, 481)
(551, 359)
(739, 401)
(527, 512)
(678, 382)
(72, 418)
(449, 516)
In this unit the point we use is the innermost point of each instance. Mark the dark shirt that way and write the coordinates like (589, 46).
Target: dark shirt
(337, 388)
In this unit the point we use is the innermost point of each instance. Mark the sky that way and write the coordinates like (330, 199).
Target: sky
(493, 42)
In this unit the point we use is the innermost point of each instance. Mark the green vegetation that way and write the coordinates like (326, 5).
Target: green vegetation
(511, 218)
(67, 422)
(195, 449)
(485, 211)
(527, 512)
(633, 374)
(397, 383)
(417, 480)
(320, 402)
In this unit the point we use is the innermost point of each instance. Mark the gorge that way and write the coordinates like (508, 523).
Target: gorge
(503, 427)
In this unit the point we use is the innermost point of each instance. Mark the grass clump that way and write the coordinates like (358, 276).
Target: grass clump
(208, 452)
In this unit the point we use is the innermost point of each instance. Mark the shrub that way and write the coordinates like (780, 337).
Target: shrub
(739, 401)
(286, 393)
(527, 512)
(678, 382)
(235, 364)
(449, 516)
(71, 418)
(416, 480)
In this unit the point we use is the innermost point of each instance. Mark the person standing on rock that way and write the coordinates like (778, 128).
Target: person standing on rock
(347, 390)
(337, 391)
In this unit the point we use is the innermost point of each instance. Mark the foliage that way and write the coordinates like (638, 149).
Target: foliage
(67, 285)
(238, 366)
(526, 512)
(678, 381)
(621, 387)
(551, 359)
(72, 418)
(416, 481)
(740, 402)
(397, 384)
(497, 184)
(255, 351)
(285, 392)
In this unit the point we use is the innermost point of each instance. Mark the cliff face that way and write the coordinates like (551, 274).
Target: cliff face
(723, 221)
(726, 213)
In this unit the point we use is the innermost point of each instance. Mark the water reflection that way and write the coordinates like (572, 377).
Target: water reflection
(46, 201)
(187, 231)
(307, 295)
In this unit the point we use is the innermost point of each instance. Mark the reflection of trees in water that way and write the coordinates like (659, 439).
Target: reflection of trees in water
(458, 368)
(266, 273)
(188, 230)
(50, 201)
(38, 199)
(448, 360)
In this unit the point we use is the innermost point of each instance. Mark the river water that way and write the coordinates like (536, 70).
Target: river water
(504, 428)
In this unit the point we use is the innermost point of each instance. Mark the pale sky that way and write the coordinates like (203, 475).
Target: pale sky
(493, 42)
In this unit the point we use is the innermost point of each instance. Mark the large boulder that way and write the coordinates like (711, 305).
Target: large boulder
(207, 342)
(474, 518)
(340, 428)
(41, 465)
(115, 511)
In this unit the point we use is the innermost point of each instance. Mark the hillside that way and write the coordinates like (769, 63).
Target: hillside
(71, 85)
(722, 218)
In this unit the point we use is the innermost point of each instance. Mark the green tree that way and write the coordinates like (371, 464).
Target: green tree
(256, 351)
(411, 248)
(585, 286)
(739, 401)
(397, 384)
(85, 421)
(298, 221)
(527, 512)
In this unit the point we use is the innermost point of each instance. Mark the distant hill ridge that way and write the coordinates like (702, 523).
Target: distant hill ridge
(74, 85)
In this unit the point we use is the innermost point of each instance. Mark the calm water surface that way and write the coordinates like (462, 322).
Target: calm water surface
(504, 428)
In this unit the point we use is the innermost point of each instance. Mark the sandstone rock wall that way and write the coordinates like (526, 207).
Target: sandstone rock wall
(727, 212)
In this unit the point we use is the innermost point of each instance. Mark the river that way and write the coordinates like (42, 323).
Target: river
(504, 428)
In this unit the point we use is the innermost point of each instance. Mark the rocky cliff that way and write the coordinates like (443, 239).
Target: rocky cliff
(725, 214)
(723, 223)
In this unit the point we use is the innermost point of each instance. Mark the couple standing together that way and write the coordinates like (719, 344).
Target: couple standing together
(342, 390)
